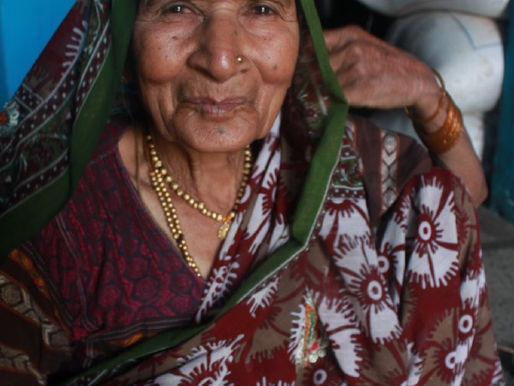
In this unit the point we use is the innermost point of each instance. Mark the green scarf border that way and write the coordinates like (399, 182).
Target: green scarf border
(311, 201)
(30, 216)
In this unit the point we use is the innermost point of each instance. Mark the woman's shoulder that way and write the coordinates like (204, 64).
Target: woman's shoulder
(103, 192)
(396, 167)
(388, 160)
(376, 145)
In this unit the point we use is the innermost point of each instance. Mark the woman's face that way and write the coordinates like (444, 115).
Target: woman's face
(186, 60)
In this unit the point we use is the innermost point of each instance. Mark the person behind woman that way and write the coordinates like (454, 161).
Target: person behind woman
(233, 226)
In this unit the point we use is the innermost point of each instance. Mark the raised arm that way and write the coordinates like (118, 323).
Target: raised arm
(375, 74)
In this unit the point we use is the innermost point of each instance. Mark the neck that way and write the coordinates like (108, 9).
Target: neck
(212, 178)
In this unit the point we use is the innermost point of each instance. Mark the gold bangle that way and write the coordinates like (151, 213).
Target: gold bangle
(448, 134)
(442, 86)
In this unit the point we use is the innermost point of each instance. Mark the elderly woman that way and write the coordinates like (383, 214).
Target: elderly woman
(231, 225)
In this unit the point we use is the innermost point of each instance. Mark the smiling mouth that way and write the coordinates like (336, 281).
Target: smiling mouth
(209, 106)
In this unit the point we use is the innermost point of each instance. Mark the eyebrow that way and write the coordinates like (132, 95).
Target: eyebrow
(146, 3)
(283, 2)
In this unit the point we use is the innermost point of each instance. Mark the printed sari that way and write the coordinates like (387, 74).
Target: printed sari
(351, 259)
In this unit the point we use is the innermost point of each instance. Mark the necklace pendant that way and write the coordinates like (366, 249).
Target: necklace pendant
(223, 230)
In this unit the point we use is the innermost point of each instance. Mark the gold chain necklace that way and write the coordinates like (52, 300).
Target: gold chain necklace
(200, 206)
(159, 177)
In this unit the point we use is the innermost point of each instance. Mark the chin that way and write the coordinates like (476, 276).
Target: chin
(218, 135)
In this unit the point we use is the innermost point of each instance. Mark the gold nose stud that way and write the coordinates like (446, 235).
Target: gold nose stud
(239, 59)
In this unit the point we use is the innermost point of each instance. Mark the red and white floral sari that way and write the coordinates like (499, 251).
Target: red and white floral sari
(350, 261)
(401, 300)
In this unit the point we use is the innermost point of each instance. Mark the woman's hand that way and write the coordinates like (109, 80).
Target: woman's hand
(375, 74)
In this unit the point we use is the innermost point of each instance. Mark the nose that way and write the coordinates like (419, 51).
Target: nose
(218, 49)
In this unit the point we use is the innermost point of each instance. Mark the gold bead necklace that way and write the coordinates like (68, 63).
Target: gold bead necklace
(159, 176)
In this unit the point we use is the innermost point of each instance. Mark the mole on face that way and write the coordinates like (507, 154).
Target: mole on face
(275, 67)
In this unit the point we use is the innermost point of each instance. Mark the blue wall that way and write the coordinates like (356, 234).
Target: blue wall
(25, 28)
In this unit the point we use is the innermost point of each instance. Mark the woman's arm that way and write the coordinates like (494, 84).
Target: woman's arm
(375, 74)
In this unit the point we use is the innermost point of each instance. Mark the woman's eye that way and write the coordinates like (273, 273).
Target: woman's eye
(177, 8)
(263, 10)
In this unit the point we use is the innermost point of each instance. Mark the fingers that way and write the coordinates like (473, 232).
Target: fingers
(337, 39)
(352, 45)
(333, 39)
(373, 73)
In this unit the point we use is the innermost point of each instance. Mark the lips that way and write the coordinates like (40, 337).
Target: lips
(211, 106)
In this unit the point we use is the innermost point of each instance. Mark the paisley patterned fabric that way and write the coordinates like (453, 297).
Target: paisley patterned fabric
(48, 131)
(350, 261)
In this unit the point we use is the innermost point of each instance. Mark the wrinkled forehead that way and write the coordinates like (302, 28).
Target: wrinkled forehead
(150, 3)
